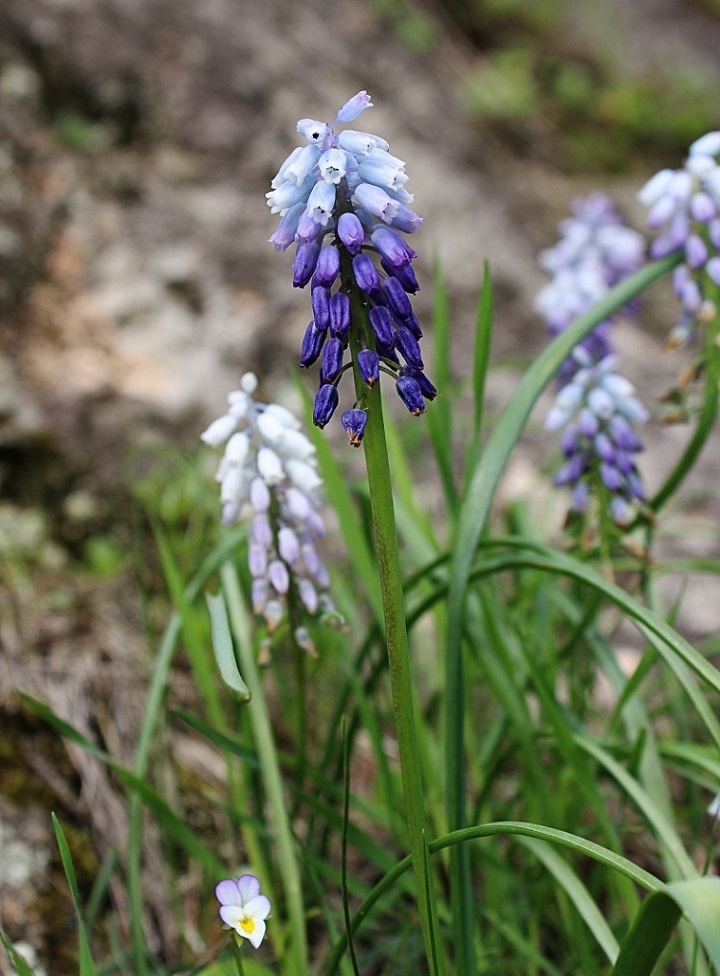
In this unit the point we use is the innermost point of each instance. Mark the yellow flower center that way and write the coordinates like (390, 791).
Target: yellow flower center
(247, 924)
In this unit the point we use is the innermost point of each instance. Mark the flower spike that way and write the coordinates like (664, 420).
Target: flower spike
(342, 200)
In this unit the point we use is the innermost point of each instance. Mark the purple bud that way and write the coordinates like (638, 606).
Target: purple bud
(311, 345)
(405, 275)
(412, 323)
(408, 347)
(278, 576)
(580, 495)
(623, 434)
(428, 389)
(328, 265)
(713, 269)
(366, 274)
(387, 352)
(588, 423)
(351, 232)
(571, 471)
(286, 229)
(696, 251)
(635, 485)
(306, 257)
(604, 447)
(392, 247)
(569, 440)
(397, 299)
(611, 477)
(354, 422)
(405, 219)
(381, 322)
(326, 400)
(307, 229)
(368, 365)
(331, 361)
(320, 299)
(339, 314)
(409, 391)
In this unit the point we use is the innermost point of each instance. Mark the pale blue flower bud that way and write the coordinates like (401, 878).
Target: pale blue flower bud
(353, 108)
(315, 132)
(360, 143)
(321, 202)
(333, 165)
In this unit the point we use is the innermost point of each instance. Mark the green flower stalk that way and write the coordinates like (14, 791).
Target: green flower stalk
(343, 204)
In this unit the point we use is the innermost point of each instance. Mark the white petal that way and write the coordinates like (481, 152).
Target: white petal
(219, 431)
(269, 466)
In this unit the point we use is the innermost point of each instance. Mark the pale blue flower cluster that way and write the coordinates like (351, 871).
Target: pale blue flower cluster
(596, 412)
(268, 476)
(342, 197)
(684, 207)
(595, 409)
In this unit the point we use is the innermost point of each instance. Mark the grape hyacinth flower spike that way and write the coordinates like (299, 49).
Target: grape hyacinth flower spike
(268, 476)
(342, 201)
(595, 409)
(684, 208)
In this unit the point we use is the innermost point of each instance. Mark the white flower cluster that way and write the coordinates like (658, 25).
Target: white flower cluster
(268, 475)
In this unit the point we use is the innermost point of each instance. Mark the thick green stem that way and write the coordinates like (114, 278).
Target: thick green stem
(388, 562)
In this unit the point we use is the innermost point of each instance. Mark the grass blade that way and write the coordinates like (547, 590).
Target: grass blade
(87, 967)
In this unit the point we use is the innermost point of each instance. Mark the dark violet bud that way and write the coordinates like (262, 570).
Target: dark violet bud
(392, 247)
(369, 366)
(354, 422)
(387, 352)
(411, 322)
(408, 347)
(397, 299)
(366, 274)
(411, 395)
(404, 274)
(326, 400)
(331, 361)
(311, 345)
(351, 232)
(328, 265)
(306, 257)
(320, 298)
(339, 314)
(428, 389)
(381, 321)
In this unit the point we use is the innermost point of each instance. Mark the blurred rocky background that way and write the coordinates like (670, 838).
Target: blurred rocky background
(137, 140)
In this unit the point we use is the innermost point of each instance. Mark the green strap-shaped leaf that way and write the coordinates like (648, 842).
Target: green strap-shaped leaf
(15, 958)
(87, 967)
(223, 646)
(698, 900)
